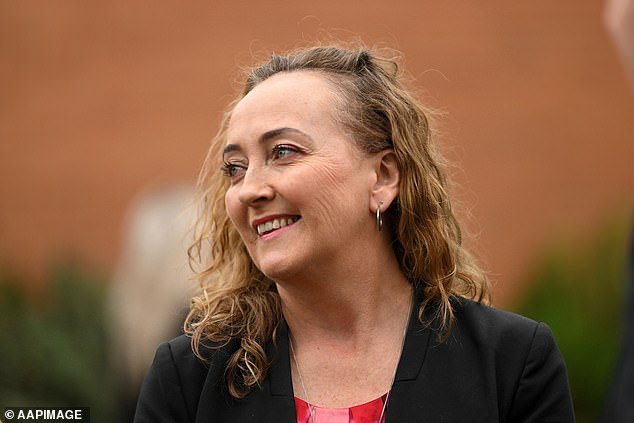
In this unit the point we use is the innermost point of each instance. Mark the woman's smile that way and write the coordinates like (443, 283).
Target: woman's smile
(269, 224)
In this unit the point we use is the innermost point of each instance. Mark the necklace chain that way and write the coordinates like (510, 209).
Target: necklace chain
(311, 414)
(301, 381)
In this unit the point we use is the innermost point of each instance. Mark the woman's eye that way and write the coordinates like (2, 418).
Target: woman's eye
(283, 151)
(232, 169)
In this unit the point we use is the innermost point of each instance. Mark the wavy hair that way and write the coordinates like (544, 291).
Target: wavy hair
(238, 303)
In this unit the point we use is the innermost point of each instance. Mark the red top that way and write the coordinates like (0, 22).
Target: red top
(370, 412)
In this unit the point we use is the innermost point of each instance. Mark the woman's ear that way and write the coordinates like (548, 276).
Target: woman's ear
(388, 178)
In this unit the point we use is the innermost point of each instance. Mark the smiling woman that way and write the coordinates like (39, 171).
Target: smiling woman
(335, 287)
(289, 159)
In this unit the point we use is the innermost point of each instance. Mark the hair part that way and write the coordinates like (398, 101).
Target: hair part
(239, 302)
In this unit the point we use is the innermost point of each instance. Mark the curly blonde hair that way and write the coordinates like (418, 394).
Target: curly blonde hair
(239, 303)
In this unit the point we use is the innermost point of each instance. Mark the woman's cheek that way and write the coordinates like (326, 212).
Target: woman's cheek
(328, 176)
(232, 207)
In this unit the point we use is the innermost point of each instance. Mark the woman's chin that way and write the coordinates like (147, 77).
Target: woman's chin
(279, 270)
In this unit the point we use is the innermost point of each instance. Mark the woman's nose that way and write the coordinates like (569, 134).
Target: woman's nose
(255, 187)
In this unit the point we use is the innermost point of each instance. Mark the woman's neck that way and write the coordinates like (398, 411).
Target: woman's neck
(350, 304)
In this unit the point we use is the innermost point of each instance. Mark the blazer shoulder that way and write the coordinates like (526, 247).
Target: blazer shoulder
(528, 366)
(495, 324)
(503, 338)
(195, 370)
(173, 385)
(210, 354)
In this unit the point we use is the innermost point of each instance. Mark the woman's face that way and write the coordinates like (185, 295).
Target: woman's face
(300, 189)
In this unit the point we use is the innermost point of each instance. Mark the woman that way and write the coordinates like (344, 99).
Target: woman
(338, 289)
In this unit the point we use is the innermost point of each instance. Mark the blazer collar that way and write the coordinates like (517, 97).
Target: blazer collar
(416, 343)
(280, 370)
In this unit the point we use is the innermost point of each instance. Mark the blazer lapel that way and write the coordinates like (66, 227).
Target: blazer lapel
(280, 383)
(410, 364)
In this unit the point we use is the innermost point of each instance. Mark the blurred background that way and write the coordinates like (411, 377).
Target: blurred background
(107, 109)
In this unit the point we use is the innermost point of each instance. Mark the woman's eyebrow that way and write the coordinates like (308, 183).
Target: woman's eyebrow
(275, 133)
(267, 136)
(229, 148)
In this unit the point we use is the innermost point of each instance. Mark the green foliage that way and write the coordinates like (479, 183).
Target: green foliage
(578, 291)
(54, 351)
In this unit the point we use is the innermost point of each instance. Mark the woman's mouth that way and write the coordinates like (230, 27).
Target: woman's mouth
(277, 223)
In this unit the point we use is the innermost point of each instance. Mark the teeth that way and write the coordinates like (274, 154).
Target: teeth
(274, 224)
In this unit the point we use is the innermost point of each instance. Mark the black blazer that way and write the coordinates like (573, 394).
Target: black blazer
(495, 367)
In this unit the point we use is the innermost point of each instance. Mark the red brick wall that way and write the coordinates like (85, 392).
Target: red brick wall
(99, 100)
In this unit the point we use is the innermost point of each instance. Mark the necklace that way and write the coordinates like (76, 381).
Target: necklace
(311, 414)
